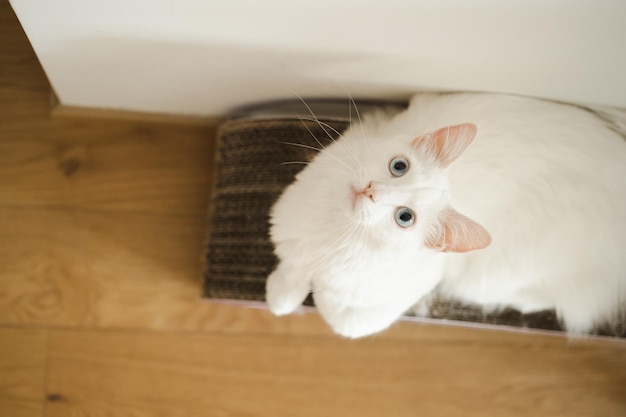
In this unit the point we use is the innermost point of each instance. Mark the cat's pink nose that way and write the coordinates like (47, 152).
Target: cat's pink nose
(370, 192)
(373, 191)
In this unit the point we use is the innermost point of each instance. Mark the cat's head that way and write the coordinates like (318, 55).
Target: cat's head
(368, 215)
(395, 188)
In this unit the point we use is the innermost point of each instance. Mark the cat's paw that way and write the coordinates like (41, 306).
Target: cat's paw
(354, 323)
(356, 330)
(285, 296)
(358, 323)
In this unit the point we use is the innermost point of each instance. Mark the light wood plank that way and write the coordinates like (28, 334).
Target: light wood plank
(70, 267)
(123, 209)
(182, 374)
(22, 361)
(123, 166)
(22, 370)
(21, 408)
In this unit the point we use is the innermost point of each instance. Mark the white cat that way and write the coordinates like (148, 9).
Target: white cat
(374, 222)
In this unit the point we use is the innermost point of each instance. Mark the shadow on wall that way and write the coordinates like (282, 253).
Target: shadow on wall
(137, 74)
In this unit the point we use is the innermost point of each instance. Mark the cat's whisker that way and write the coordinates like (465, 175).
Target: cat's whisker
(294, 162)
(350, 112)
(310, 131)
(340, 168)
(313, 148)
(324, 126)
(345, 168)
(321, 150)
(358, 115)
(338, 133)
(347, 143)
(302, 120)
(356, 110)
(352, 153)
(352, 103)
(315, 119)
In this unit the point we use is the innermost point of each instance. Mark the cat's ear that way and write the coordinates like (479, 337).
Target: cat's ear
(448, 143)
(457, 233)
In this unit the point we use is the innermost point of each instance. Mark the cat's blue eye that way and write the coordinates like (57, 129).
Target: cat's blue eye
(405, 217)
(398, 166)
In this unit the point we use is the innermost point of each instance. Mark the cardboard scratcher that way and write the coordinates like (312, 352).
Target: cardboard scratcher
(250, 174)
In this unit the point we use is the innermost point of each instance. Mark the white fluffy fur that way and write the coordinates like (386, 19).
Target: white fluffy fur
(546, 180)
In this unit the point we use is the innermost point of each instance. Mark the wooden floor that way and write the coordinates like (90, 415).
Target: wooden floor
(101, 228)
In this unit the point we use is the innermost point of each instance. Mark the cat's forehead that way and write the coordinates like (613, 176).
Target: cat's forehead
(377, 147)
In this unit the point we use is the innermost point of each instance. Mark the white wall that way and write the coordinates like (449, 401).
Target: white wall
(205, 57)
